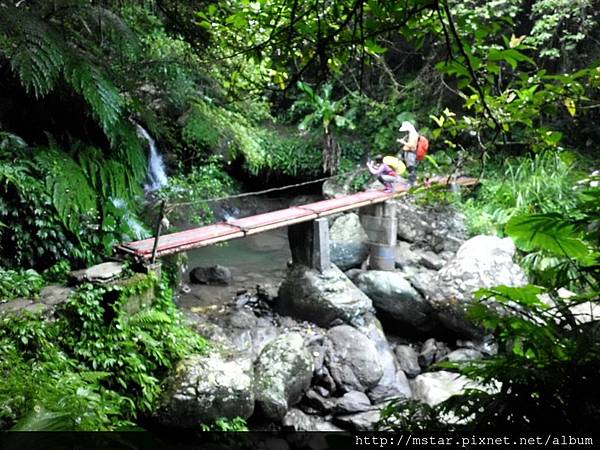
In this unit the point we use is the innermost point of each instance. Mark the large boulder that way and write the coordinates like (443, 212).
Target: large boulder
(393, 383)
(283, 372)
(481, 262)
(321, 298)
(348, 242)
(363, 421)
(395, 298)
(204, 388)
(352, 359)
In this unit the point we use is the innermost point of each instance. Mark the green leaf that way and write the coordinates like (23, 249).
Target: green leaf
(527, 295)
(548, 232)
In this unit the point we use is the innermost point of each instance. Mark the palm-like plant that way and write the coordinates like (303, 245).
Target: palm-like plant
(327, 114)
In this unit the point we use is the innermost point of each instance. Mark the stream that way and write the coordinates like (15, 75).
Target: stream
(259, 259)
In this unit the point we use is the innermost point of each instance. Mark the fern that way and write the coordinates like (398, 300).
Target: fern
(35, 50)
(102, 96)
(148, 318)
(72, 195)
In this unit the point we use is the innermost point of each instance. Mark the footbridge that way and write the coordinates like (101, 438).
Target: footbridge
(315, 237)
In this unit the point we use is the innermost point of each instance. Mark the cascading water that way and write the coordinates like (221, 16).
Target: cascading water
(156, 176)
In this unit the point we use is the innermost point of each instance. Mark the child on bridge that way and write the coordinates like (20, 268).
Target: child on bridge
(386, 170)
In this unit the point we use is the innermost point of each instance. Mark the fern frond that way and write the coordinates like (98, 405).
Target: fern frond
(72, 195)
(35, 50)
(102, 96)
(147, 318)
(131, 152)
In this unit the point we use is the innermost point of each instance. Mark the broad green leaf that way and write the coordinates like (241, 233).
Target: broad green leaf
(527, 295)
(548, 232)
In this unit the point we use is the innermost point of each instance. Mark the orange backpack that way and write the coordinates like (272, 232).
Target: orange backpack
(422, 147)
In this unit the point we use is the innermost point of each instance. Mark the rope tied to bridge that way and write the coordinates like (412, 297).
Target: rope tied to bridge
(174, 205)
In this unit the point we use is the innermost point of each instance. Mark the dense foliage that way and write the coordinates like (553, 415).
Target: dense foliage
(98, 367)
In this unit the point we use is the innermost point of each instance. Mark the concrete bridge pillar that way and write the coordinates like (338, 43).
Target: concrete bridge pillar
(309, 244)
(381, 225)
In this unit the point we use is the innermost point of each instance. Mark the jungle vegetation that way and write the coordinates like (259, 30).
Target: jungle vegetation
(272, 91)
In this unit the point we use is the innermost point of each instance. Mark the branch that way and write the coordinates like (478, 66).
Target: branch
(459, 43)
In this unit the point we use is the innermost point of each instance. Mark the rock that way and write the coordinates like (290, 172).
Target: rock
(318, 402)
(283, 372)
(246, 332)
(203, 388)
(393, 382)
(101, 273)
(431, 260)
(435, 387)
(408, 361)
(395, 298)
(55, 295)
(320, 298)
(211, 275)
(423, 280)
(464, 354)
(348, 242)
(405, 256)
(364, 421)
(486, 346)
(432, 351)
(332, 188)
(352, 359)
(297, 420)
(15, 306)
(481, 262)
(434, 227)
(352, 402)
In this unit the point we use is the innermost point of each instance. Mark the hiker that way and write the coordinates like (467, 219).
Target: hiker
(387, 170)
(410, 143)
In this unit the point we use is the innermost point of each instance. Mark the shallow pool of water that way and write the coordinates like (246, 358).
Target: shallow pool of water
(254, 260)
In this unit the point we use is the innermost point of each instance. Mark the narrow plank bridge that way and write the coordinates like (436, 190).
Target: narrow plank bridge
(224, 231)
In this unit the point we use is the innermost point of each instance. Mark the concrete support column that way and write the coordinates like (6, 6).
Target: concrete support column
(320, 245)
(381, 225)
(309, 244)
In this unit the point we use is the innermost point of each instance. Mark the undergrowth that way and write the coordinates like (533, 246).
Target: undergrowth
(96, 367)
(540, 184)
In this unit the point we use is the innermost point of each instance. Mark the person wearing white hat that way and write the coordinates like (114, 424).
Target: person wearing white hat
(410, 142)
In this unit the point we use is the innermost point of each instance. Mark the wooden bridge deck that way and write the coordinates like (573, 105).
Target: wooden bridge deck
(225, 231)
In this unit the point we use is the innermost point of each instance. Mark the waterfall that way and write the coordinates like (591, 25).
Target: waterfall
(156, 175)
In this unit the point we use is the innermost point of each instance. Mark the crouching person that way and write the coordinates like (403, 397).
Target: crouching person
(387, 170)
